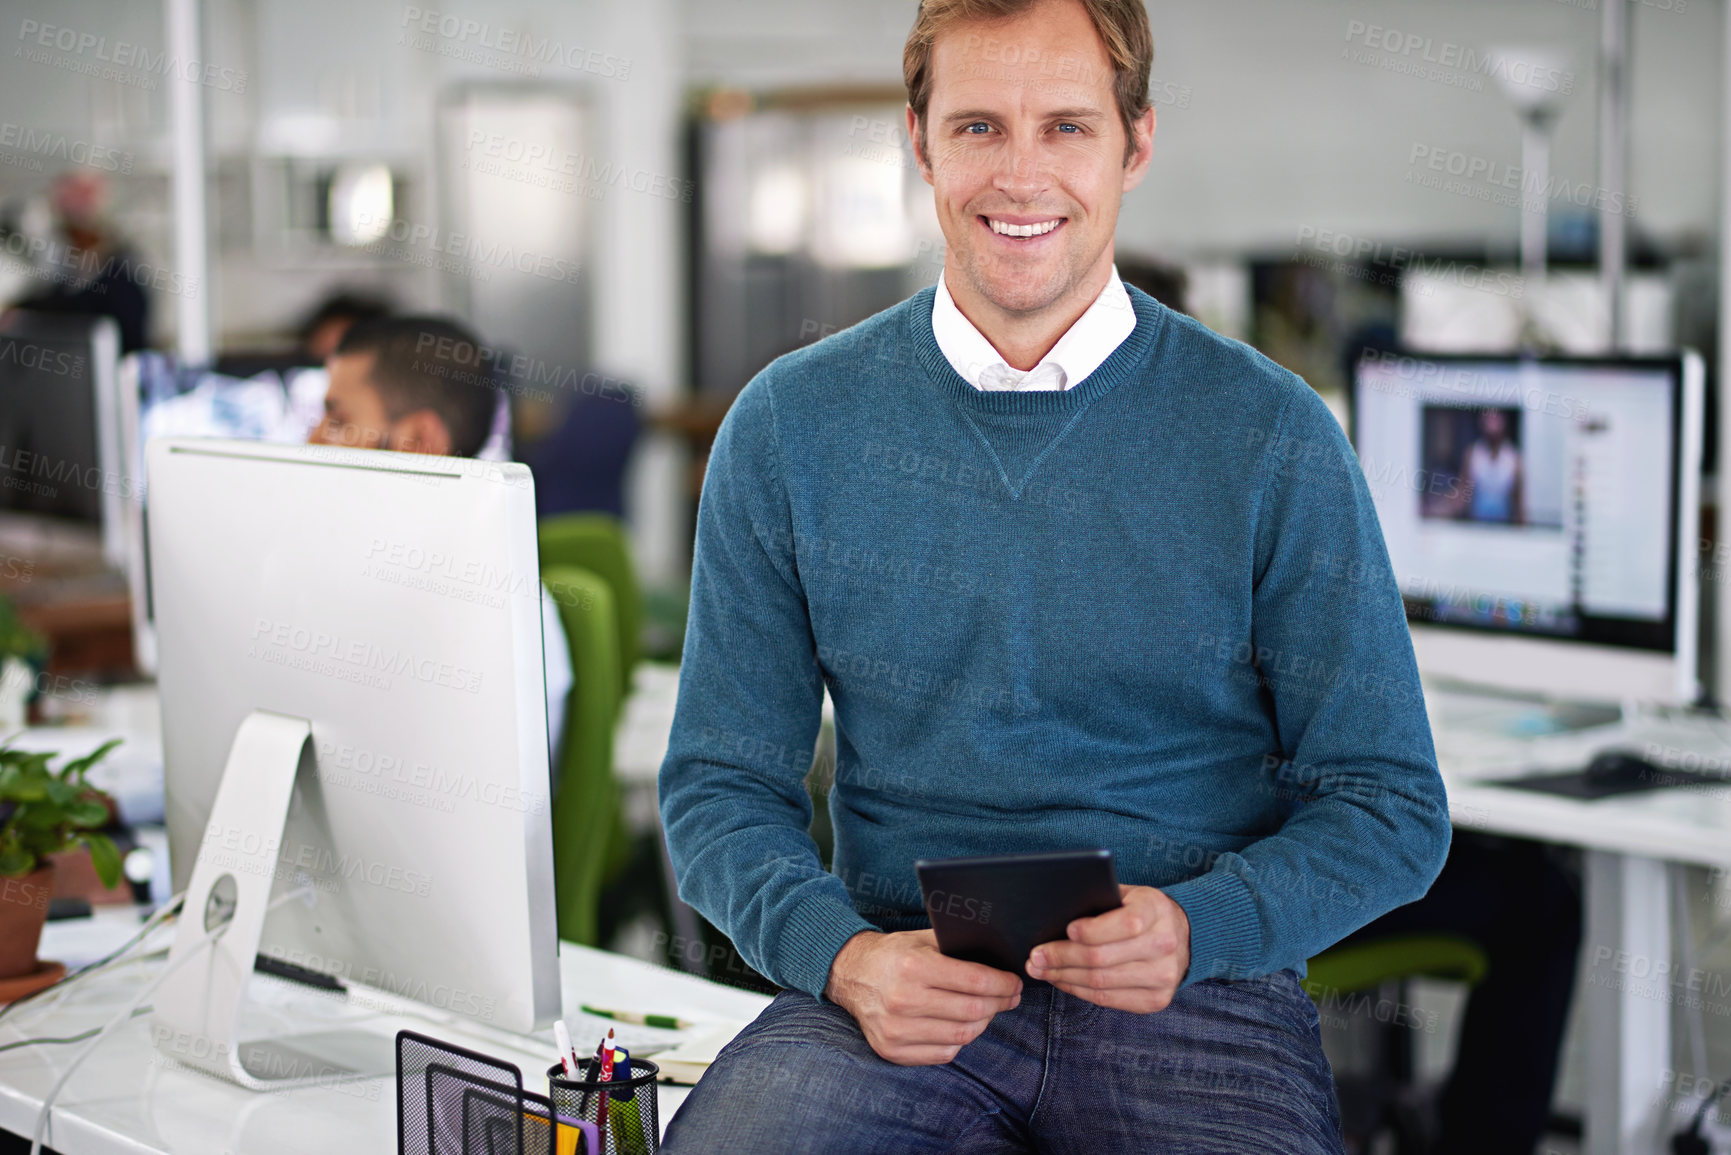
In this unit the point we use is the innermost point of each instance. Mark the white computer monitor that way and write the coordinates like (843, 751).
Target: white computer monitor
(1541, 515)
(388, 605)
(159, 396)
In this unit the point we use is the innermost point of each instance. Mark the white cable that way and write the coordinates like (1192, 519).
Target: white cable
(34, 1011)
(125, 954)
(125, 1016)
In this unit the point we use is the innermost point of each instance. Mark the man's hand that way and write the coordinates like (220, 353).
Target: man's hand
(917, 1007)
(1131, 959)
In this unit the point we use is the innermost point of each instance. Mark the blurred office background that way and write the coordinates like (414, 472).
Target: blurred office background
(640, 203)
(699, 188)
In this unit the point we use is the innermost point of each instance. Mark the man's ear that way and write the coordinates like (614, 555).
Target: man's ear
(421, 431)
(1142, 151)
(920, 159)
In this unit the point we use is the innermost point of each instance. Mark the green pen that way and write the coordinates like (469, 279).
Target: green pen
(628, 1128)
(666, 1021)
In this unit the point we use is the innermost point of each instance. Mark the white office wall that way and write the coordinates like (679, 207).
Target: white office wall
(40, 90)
(345, 79)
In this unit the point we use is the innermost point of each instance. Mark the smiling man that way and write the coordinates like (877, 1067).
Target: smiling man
(1069, 566)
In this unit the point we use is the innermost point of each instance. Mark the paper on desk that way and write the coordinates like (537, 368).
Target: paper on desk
(687, 1062)
(639, 1040)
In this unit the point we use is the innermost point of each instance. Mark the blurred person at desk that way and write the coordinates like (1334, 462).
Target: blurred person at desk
(91, 269)
(420, 385)
(1050, 546)
(580, 465)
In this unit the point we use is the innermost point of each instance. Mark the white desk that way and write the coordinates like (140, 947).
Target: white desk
(1629, 842)
(127, 1099)
(646, 723)
(1631, 979)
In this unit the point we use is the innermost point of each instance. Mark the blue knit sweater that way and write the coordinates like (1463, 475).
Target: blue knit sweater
(1152, 613)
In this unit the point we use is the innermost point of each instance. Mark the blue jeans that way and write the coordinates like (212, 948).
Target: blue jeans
(1228, 1067)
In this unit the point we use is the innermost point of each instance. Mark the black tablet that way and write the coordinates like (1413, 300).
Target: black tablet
(997, 910)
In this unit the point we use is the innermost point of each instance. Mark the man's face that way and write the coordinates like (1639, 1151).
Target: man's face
(1023, 136)
(354, 412)
(1491, 424)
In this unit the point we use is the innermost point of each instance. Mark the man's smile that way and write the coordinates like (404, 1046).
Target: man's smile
(1022, 228)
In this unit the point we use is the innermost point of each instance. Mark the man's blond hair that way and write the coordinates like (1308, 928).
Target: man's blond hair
(1121, 24)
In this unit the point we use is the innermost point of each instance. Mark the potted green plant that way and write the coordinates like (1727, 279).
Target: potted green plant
(21, 651)
(42, 812)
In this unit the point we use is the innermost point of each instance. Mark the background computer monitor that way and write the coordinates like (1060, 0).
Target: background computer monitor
(59, 447)
(159, 395)
(1540, 515)
(393, 601)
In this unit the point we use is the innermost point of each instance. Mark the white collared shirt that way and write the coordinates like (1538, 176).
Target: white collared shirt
(1081, 350)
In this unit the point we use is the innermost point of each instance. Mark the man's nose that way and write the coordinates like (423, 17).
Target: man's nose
(1022, 170)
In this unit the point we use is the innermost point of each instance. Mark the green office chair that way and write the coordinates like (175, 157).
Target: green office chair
(1381, 1101)
(589, 837)
(1359, 966)
(596, 542)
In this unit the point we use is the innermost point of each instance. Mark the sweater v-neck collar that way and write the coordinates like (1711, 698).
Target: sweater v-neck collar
(1034, 403)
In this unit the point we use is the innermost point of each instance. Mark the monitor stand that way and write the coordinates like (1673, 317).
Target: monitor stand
(196, 1020)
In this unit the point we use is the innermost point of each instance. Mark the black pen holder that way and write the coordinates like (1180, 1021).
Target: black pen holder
(629, 1124)
(455, 1101)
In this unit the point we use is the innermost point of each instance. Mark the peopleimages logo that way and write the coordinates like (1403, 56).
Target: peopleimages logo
(591, 172)
(1385, 264)
(60, 262)
(18, 465)
(1506, 67)
(1484, 178)
(478, 255)
(59, 147)
(273, 641)
(123, 55)
(525, 47)
(41, 358)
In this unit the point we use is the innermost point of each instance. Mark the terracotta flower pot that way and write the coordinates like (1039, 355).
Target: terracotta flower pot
(23, 910)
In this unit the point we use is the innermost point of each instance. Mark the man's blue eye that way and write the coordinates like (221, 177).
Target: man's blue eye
(980, 124)
(1070, 127)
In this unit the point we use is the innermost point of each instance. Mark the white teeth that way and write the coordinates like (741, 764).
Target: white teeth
(1009, 230)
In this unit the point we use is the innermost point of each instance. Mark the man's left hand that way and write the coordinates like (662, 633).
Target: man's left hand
(1130, 959)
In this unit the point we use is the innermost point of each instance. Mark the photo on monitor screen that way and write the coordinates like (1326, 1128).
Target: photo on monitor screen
(1497, 470)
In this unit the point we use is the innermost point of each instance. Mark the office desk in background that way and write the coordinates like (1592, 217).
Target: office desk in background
(1635, 845)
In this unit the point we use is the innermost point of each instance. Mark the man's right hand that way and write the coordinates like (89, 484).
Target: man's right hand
(916, 1006)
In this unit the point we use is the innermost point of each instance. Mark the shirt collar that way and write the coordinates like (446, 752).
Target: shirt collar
(1082, 349)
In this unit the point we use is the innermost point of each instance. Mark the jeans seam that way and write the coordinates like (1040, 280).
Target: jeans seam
(988, 1113)
(1045, 1059)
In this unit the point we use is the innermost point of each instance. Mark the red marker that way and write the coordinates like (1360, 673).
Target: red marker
(606, 1077)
